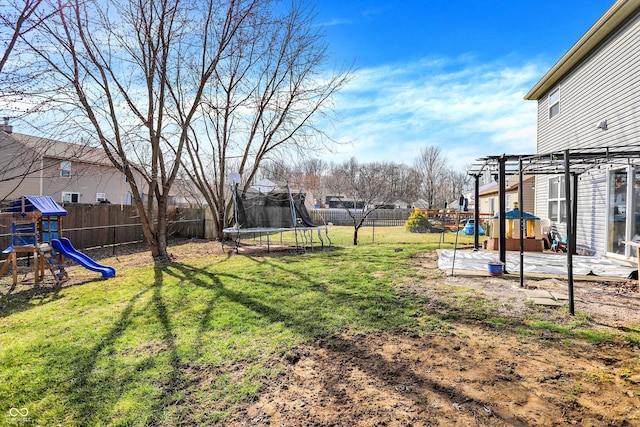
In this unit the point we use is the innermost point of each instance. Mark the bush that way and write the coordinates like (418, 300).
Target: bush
(417, 222)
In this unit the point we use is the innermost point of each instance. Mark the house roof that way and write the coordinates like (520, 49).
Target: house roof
(512, 183)
(62, 150)
(612, 18)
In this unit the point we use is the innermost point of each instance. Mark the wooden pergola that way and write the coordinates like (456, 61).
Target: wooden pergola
(571, 163)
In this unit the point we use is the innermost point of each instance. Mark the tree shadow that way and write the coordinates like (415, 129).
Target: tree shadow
(89, 396)
(95, 388)
(25, 296)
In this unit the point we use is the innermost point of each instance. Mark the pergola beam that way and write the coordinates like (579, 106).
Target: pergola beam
(570, 163)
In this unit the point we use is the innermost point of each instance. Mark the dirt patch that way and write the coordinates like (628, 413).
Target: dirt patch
(472, 373)
(474, 377)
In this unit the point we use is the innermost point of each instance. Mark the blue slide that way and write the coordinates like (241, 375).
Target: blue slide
(65, 247)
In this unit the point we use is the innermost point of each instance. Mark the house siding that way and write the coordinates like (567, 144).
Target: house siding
(604, 86)
(86, 179)
(592, 212)
(16, 162)
(489, 195)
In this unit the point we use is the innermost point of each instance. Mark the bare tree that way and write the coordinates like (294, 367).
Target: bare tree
(262, 103)
(453, 184)
(362, 189)
(404, 181)
(313, 171)
(136, 72)
(18, 20)
(431, 164)
(275, 170)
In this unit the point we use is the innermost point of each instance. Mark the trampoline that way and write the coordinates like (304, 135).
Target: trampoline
(264, 214)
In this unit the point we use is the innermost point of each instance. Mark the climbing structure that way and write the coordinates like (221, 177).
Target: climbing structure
(36, 221)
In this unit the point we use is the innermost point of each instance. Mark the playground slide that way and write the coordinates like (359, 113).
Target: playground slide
(303, 215)
(65, 247)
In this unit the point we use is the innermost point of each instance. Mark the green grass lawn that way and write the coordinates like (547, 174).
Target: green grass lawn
(183, 344)
(164, 345)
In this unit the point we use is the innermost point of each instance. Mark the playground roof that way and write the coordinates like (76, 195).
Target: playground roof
(515, 214)
(45, 204)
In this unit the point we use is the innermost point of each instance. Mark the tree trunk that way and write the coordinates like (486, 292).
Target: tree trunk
(161, 256)
(155, 234)
(355, 236)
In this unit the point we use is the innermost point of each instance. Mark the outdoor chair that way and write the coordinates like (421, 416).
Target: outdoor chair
(545, 227)
(559, 243)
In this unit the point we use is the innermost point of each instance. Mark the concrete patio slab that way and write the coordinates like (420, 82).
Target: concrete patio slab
(549, 263)
(560, 296)
(537, 293)
(547, 301)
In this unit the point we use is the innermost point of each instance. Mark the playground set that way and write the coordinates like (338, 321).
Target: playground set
(36, 228)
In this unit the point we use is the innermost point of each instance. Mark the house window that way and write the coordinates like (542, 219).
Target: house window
(65, 169)
(618, 212)
(554, 103)
(70, 197)
(557, 201)
(100, 197)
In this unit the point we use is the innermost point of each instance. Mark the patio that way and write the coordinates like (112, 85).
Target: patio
(469, 260)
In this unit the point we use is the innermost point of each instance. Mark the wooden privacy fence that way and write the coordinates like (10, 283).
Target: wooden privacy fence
(394, 217)
(379, 217)
(89, 226)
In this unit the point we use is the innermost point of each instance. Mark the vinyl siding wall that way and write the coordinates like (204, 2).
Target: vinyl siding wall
(19, 169)
(86, 179)
(605, 86)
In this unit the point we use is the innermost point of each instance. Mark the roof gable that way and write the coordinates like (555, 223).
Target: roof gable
(62, 150)
(620, 11)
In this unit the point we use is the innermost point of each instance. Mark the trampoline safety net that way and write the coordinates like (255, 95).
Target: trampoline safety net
(271, 210)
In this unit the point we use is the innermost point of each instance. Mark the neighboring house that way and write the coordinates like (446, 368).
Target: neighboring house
(589, 99)
(343, 202)
(70, 173)
(489, 195)
(421, 204)
(266, 185)
(401, 204)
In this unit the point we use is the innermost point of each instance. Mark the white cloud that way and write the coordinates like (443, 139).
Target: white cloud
(467, 109)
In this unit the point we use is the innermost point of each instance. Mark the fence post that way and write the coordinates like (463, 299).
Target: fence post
(373, 231)
(113, 243)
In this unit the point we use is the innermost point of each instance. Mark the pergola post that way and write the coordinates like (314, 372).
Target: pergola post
(574, 212)
(522, 224)
(570, 230)
(502, 189)
(476, 213)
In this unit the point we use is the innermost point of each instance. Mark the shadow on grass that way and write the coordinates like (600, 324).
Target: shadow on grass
(302, 303)
(25, 296)
(91, 397)
(326, 310)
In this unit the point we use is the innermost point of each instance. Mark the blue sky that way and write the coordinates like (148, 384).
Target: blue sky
(447, 73)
